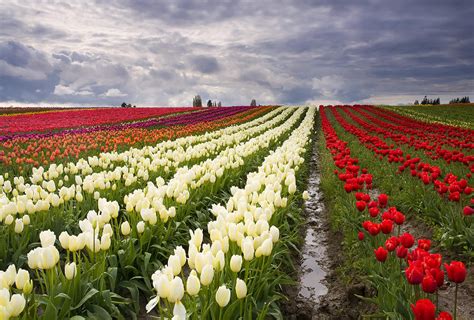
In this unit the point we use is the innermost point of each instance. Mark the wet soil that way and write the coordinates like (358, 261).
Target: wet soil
(320, 293)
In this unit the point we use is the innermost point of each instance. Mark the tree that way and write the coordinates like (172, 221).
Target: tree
(424, 101)
(124, 105)
(219, 104)
(253, 103)
(460, 100)
(416, 103)
(197, 102)
(209, 103)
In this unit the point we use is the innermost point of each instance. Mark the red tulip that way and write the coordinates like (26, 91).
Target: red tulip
(383, 200)
(381, 254)
(433, 260)
(374, 229)
(444, 315)
(386, 226)
(374, 211)
(372, 204)
(456, 271)
(438, 274)
(402, 252)
(360, 205)
(414, 273)
(399, 218)
(429, 284)
(348, 187)
(424, 244)
(361, 236)
(424, 309)
(454, 196)
(391, 244)
(407, 240)
(467, 211)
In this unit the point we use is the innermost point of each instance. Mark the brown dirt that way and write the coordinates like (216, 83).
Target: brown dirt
(340, 301)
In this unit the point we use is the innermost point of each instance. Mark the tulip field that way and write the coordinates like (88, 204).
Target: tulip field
(195, 213)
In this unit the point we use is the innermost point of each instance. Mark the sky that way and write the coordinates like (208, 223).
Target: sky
(162, 53)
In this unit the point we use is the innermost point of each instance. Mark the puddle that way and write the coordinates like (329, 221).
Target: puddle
(314, 251)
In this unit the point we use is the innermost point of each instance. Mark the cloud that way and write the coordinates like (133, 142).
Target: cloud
(114, 93)
(61, 90)
(287, 51)
(205, 64)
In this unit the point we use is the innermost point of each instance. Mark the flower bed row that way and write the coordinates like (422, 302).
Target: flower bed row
(406, 274)
(22, 153)
(73, 118)
(102, 271)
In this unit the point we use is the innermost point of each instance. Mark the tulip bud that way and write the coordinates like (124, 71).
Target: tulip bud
(305, 195)
(248, 249)
(10, 274)
(9, 219)
(179, 311)
(207, 275)
(22, 278)
(16, 305)
(64, 240)
(179, 251)
(235, 263)
(175, 263)
(292, 188)
(192, 284)
(176, 290)
(240, 289)
(162, 286)
(70, 270)
(105, 242)
(275, 232)
(28, 287)
(26, 219)
(125, 228)
(222, 296)
(18, 225)
(141, 226)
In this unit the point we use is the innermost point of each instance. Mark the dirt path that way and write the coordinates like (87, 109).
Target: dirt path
(320, 293)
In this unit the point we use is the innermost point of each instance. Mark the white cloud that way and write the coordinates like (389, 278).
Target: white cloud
(163, 53)
(61, 90)
(114, 93)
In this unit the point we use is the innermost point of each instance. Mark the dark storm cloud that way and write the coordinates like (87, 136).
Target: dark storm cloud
(205, 64)
(165, 52)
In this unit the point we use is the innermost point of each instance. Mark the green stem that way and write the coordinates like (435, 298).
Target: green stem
(455, 301)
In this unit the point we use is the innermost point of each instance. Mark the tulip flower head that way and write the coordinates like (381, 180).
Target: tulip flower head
(222, 296)
(456, 271)
(424, 309)
(381, 254)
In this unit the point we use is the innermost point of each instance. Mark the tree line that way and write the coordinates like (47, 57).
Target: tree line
(427, 101)
(197, 102)
(437, 101)
(460, 100)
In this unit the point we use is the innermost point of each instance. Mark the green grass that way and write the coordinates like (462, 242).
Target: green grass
(462, 115)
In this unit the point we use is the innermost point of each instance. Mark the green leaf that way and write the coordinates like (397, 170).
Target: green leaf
(92, 292)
